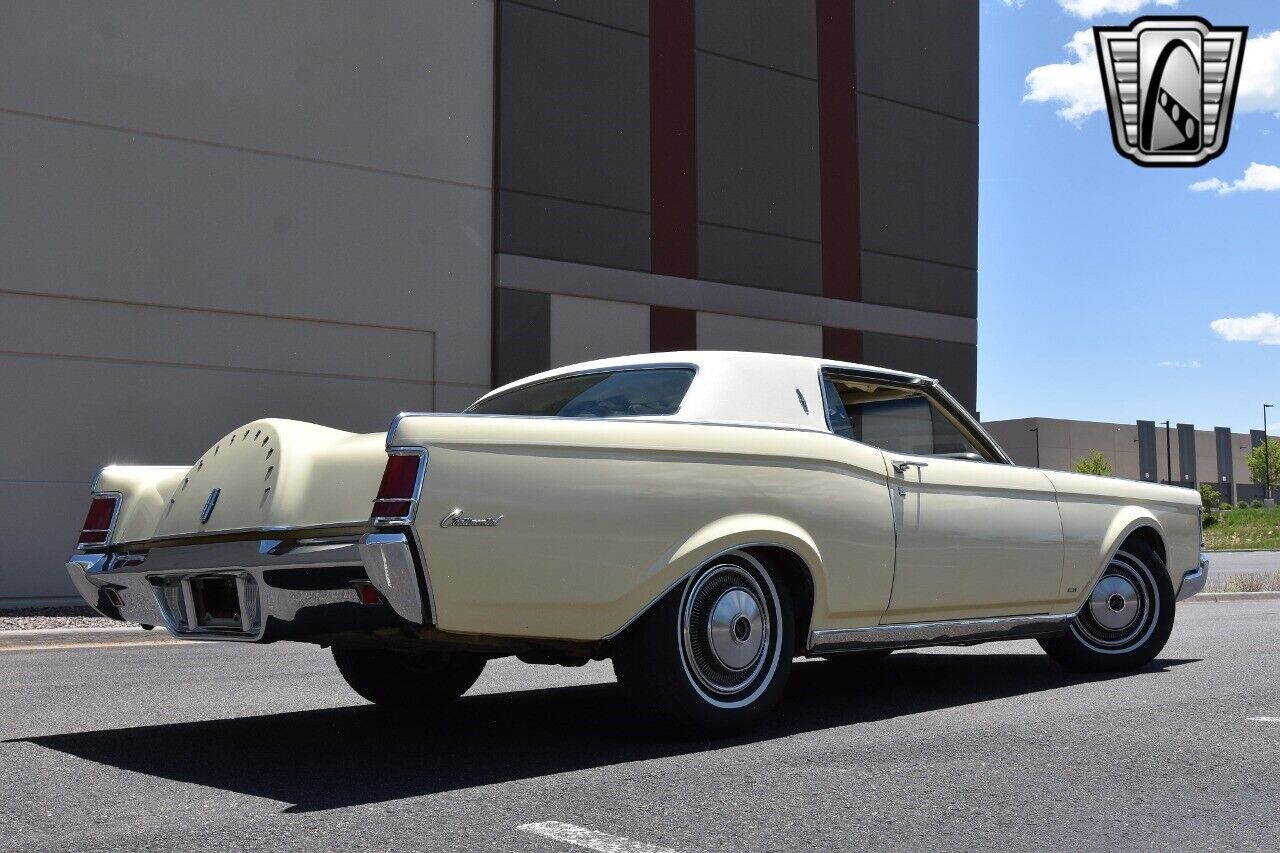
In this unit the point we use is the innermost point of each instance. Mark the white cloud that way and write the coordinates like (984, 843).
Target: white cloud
(1186, 364)
(1018, 3)
(1262, 328)
(1094, 8)
(1258, 177)
(1077, 84)
(1260, 76)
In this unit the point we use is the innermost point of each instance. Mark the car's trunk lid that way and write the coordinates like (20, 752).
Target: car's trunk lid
(276, 475)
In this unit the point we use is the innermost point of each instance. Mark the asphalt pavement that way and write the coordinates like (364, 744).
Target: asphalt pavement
(1223, 564)
(232, 747)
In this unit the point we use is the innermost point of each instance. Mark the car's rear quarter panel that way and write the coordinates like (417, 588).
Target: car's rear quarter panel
(600, 518)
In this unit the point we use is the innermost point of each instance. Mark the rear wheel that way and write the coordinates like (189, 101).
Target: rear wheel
(1125, 621)
(714, 654)
(405, 680)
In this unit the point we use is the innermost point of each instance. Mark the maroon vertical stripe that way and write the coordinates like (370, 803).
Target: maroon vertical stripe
(842, 344)
(673, 181)
(672, 329)
(838, 151)
(673, 177)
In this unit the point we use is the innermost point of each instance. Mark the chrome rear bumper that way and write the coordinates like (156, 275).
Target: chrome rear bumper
(283, 589)
(1194, 580)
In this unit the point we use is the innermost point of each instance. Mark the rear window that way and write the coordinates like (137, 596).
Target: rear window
(608, 394)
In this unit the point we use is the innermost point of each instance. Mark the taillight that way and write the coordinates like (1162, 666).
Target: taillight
(97, 522)
(399, 483)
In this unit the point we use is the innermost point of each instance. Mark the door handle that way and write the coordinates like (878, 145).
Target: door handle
(901, 465)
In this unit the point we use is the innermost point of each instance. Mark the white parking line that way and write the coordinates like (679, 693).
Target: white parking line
(1265, 719)
(580, 836)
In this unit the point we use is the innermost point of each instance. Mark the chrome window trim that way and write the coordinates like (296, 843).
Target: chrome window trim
(417, 488)
(940, 632)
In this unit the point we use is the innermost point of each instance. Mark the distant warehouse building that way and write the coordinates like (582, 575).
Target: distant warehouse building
(212, 213)
(1139, 451)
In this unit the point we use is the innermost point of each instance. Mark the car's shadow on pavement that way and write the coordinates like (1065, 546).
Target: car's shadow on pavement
(335, 757)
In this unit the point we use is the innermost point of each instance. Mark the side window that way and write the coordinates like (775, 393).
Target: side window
(894, 418)
(616, 394)
(836, 414)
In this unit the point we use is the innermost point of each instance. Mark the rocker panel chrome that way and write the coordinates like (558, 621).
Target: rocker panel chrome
(938, 633)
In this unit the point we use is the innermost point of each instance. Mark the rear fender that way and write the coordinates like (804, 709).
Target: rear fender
(731, 533)
(144, 490)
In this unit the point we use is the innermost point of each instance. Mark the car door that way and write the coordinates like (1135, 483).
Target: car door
(976, 536)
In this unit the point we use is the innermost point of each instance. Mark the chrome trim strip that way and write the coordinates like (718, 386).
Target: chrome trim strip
(177, 539)
(389, 564)
(937, 633)
(1194, 580)
(669, 420)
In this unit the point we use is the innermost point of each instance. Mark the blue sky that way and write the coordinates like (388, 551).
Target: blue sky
(1099, 279)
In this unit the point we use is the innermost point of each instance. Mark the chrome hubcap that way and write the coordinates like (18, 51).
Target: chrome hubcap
(735, 629)
(1114, 602)
(725, 629)
(1122, 608)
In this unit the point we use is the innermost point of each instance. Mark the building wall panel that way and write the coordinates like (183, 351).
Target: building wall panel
(573, 111)
(586, 329)
(161, 222)
(543, 227)
(955, 365)
(777, 34)
(757, 149)
(919, 183)
(728, 332)
(759, 260)
(400, 86)
(925, 54)
(924, 286)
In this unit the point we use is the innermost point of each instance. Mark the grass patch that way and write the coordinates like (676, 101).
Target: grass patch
(1251, 582)
(1243, 527)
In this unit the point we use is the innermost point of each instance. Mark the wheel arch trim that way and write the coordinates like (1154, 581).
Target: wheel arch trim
(741, 533)
(1127, 522)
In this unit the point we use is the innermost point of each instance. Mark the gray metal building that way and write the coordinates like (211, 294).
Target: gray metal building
(1144, 450)
(215, 212)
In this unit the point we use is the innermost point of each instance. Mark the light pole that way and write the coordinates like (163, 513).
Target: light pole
(1266, 455)
(1168, 454)
(1036, 430)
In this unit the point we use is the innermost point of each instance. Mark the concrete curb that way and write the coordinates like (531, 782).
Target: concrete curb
(40, 639)
(1242, 551)
(1234, 596)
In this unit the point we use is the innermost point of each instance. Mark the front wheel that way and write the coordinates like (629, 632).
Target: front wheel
(714, 654)
(1126, 619)
(407, 681)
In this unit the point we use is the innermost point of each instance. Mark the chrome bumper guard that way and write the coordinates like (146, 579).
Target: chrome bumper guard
(283, 589)
(1194, 580)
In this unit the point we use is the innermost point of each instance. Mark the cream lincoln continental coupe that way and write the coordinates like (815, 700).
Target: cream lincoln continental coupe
(701, 518)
